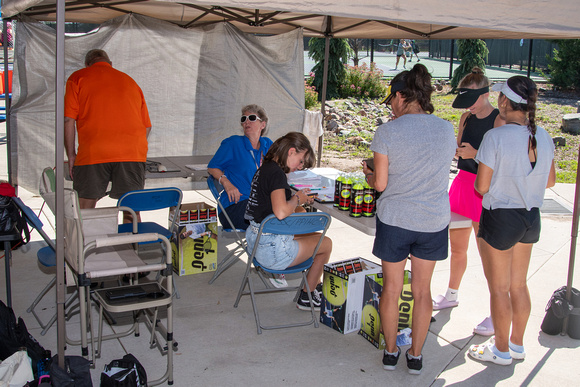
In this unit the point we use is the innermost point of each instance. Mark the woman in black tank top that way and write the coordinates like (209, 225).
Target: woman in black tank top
(473, 94)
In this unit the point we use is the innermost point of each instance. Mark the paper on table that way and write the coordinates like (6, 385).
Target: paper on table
(303, 177)
(196, 167)
(326, 194)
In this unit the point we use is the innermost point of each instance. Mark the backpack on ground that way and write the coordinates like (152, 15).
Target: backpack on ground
(14, 335)
(125, 372)
(12, 220)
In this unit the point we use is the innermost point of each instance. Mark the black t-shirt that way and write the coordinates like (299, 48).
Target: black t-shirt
(473, 133)
(267, 179)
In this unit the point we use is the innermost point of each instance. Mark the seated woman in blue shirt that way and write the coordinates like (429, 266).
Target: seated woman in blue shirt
(236, 161)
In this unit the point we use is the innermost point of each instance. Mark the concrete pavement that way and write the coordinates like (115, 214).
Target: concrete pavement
(218, 344)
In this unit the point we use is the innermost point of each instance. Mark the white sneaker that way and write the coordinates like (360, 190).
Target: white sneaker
(278, 281)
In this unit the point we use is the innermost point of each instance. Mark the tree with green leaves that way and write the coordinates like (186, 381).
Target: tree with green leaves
(473, 53)
(339, 51)
(564, 66)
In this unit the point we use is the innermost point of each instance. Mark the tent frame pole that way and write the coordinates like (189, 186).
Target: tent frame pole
(59, 162)
(327, 36)
(573, 242)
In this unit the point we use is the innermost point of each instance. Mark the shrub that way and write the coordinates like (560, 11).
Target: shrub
(363, 82)
(310, 96)
(473, 53)
(565, 66)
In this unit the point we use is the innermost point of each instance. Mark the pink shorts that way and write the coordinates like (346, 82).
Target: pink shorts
(463, 197)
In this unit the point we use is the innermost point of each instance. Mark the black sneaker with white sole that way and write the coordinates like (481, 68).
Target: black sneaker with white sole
(390, 361)
(415, 365)
(303, 302)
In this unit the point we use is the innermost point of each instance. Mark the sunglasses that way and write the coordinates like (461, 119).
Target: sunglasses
(251, 117)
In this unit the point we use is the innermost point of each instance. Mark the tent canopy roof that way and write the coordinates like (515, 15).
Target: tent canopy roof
(380, 19)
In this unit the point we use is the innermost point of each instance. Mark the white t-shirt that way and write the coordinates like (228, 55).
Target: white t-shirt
(514, 184)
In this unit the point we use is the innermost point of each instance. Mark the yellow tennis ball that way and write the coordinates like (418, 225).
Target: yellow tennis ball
(371, 322)
(334, 289)
(213, 227)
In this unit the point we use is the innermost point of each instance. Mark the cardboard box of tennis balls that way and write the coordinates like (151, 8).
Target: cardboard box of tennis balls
(194, 245)
(371, 320)
(342, 293)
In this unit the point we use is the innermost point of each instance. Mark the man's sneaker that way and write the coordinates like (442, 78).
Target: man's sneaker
(278, 280)
(390, 361)
(414, 365)
(303, 302)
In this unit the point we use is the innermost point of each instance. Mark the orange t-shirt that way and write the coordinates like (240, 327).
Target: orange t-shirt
(111, 115)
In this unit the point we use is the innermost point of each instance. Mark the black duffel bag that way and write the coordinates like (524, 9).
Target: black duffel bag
(559, 308)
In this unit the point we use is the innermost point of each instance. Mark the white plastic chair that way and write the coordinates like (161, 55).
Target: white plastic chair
(94, 251)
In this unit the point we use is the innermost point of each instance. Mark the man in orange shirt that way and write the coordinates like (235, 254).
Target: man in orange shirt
(107, 108)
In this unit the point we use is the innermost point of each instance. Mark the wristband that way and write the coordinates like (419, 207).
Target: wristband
(297, 197)
(220, 179)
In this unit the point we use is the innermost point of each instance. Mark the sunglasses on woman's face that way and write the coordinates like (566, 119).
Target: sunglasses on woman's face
(251, 117)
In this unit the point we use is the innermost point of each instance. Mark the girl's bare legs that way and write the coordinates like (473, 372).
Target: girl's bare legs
(510, 302)
(459, 238)
(423, 306)
(393, 277)
(307, 244)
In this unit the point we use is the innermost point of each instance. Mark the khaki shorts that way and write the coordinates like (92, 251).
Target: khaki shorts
(91, 181)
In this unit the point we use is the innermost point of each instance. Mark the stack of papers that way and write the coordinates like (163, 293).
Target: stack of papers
(309, 179)
(304, 177)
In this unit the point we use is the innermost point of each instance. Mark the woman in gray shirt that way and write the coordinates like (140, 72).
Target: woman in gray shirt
(516, 164)
(412, 155)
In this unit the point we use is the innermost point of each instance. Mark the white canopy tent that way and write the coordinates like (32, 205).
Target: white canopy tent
(417, 19)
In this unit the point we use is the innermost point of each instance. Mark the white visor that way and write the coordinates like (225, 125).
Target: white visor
(509, 93)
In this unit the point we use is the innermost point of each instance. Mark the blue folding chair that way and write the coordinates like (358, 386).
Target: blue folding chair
(151, 200)
(295, 224)
(217, 190)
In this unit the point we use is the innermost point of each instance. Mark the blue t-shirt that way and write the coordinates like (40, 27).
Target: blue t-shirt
(238, 160)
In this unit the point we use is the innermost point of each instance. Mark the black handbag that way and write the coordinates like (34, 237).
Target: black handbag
(12, 221)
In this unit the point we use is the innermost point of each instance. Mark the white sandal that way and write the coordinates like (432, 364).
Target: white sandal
(485, 328)
(440, 302)
(483, 352)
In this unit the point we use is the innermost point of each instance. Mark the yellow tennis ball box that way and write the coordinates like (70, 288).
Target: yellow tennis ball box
(342, 293)
(371, 320)
(194, 243)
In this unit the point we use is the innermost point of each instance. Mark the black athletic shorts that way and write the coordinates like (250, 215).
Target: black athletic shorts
(502, 228)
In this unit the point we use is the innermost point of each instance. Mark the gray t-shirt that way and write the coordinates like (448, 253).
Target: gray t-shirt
(420, 148)
(514, 184)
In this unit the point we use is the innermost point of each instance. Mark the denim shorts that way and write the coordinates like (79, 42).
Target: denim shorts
(502, 228)
(274, 251)
(394, 244)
